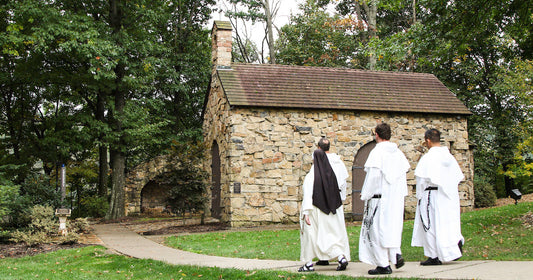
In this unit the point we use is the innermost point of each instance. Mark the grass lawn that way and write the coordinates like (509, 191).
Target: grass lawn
(496, 234)
(94, 263)
(493, 234)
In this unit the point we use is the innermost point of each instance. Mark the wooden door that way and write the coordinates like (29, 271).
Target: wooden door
(358, 178)
(215, 184)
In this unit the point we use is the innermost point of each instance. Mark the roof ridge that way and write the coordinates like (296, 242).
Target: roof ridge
(332, 68)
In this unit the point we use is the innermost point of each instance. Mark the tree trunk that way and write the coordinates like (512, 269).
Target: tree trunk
(414, 11)
(118, 162)
(118, 167)
(372, 31)
(118, 180)
(103, 166)
(270, 34)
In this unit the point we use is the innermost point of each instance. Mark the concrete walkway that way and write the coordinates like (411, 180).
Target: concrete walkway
(119, 238)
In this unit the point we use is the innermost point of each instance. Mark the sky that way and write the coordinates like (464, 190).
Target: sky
(286, 8)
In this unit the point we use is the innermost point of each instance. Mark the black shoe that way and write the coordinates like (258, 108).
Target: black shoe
(343, 263)
(399, 261)
(306, 268)
(322, 262)
(380, 270)
(431, 261)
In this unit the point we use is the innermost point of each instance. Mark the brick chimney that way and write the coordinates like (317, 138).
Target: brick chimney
(221, 44)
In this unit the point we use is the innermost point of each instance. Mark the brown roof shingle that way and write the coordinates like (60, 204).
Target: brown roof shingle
(266, 85)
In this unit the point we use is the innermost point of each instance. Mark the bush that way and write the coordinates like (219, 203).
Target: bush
(8, 194)
(70, 238)
(43, 220)
(35, 190)
(44, 227)
(4, 236)
(187, 178)
(92, 206)
(41, 227)
(79, 225)
(30, 238)
(40, 190)
(484, 193)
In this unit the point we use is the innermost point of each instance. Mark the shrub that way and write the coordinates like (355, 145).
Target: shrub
(70, 238)
(30, 238)
(8, 194)
(93, 206)
(44, 227)
(40, 190)
(484, 193)
(79, 225)
(4, 236)
(35, 190)
(187, 178)
(43, 220)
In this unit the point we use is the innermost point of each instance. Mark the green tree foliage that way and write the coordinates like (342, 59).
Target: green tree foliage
(315, 38)
(517, 80)
(8, 194)
(484, 193)
(472, 50)
(123, 76)
(382, 45)
(187, 179)
(35, 190)
(362, 34)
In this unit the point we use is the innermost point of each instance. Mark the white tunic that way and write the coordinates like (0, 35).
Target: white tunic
(437, 225)
(381, 232)
(326, 238)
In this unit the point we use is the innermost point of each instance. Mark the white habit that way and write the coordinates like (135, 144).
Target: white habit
(437, 225)
(326, 237)
(381, 230)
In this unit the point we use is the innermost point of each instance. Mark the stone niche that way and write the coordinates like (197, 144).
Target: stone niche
(153, 198)
(143, 194)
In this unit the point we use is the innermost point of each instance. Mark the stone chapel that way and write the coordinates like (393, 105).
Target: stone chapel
(262, 123)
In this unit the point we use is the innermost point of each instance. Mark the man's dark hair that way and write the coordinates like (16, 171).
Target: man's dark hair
(433, 135)
(323, 144)
(383, 131)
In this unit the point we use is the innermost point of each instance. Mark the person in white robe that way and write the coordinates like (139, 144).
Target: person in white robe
(437, 225)
(384, 190)
(322, 227)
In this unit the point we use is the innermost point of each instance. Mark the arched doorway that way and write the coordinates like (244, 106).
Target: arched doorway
(153, 198)
(358, 179)
(215, 184)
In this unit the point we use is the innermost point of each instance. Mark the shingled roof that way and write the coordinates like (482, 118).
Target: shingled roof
(283, 86)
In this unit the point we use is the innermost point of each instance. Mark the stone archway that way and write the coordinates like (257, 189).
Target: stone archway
(154, 198)
(143, 176)
(358, 179)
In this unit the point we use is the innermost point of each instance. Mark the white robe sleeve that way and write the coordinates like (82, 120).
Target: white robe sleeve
(307, 201)
(372, 183)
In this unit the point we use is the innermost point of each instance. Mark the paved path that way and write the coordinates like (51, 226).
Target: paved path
(119, 238)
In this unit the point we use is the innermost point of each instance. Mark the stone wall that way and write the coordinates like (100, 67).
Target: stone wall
(138, 178)
(268, 151)
(216, 129)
